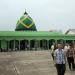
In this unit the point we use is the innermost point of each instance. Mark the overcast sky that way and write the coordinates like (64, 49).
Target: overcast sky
(47, 14)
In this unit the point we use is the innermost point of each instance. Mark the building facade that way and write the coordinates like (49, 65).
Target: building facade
(26, 37)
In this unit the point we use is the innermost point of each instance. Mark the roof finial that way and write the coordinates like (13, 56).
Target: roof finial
(25, 12)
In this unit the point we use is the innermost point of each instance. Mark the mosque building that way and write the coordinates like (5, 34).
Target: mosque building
(26, 37)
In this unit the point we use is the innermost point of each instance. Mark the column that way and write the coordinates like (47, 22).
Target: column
(14, 46)
(0, 45)
(25, 45)
(73, 41)
(19, 45)
(8, 45)
(56, 42)
(28, 44)
(38, 44)
(64, 42)
(43, 44)
(48, 44)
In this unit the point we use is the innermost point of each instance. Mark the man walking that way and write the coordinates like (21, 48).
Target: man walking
(60, 60)
(52, 51)
(70, 57)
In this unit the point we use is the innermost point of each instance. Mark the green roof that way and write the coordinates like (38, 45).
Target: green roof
(39, 35)
(29, 33)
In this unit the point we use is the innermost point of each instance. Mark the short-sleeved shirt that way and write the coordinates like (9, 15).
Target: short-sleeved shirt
(59, 56)
(66, 48)
(70, 53)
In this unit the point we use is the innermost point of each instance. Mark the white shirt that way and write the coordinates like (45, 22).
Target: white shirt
(52, 49)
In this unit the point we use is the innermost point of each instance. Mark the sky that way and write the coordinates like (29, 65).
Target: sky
(47, 14)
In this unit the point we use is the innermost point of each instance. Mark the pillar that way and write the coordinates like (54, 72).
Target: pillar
(64, 42)
(43, 43)
(73, 41)
(38, 44)
(56, 42)
(3, 45)
(48, 44)
(8, 45)
(29, 44)
(0, 45)
(25, 45)
(19, 45)
(14, 46)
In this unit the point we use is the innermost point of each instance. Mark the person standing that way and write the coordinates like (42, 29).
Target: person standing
(74, 56)
(52, 51)
(70, 58)
(66, 47)
(53, 48)
(60, 60)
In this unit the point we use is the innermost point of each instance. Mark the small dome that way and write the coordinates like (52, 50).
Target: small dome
(25, 23)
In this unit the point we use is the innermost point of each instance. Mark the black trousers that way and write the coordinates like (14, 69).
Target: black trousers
(61, 68)
(71, 62)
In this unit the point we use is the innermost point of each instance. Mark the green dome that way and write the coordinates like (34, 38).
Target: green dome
(25, 23)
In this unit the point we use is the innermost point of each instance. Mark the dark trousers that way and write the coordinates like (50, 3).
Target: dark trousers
(70, 62)
(61, 68)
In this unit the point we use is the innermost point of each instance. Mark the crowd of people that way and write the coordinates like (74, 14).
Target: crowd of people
(63, 54)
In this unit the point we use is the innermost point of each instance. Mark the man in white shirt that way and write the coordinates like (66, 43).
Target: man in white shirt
(60, 60)
(52, 51)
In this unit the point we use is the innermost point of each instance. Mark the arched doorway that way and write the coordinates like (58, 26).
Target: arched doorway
(23, 44)
(43, 44)
(70, 42)
(32, 44)
(51, 42)
(61, 41)
(11, 45)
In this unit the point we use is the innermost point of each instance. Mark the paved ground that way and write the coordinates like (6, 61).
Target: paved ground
(28, 63)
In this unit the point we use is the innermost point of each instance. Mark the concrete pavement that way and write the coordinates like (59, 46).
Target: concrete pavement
(28, 63)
